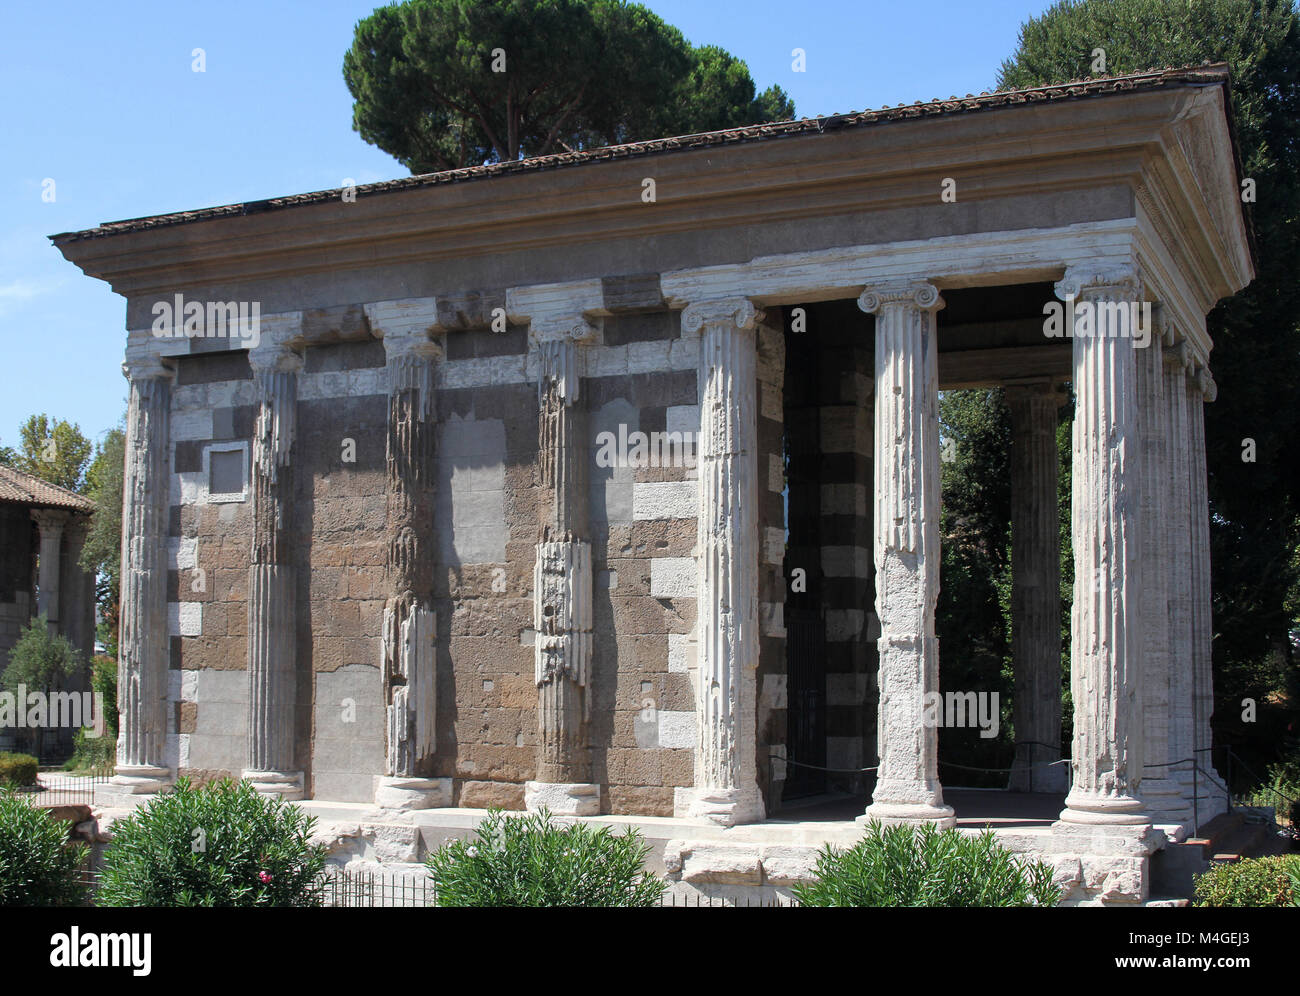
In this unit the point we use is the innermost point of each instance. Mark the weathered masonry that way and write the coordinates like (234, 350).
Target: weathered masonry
(498, 497)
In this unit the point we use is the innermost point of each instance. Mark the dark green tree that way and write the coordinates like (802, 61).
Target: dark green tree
(973, 613)
(40, 661)
(1256, 359)
(443, 84)
(53, 450)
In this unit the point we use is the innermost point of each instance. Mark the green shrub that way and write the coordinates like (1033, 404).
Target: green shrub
(897, 866)
(38, 866)
(1251, 882)
(94, 754)
(529, 861)
(18, 770)
(220, 845)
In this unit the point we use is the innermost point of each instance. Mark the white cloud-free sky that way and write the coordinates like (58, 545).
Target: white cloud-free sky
(101, 99)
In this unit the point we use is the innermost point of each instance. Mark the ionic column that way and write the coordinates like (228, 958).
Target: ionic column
(906, 550)
(77, 589)
(143, 643)
(1035, 588)
(1161, 790)
(410, 626)
(726, 781)
(1178, 495)
(1106, 637)
(562, 607)
(1201, 390)
(50, 522)
(272, 619)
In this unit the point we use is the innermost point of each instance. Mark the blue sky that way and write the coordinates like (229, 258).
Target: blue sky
(102, 100)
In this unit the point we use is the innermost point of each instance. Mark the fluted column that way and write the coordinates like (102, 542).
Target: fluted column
(410, 625)
(1179, 538)
(1035, 588)
(77, 588)
(143, 643)
(906, 550)
(1201, 389)
(726, 782)
(1106, 492)
(1161, 791)
(50, 522)
(562, 607)
(272, 619)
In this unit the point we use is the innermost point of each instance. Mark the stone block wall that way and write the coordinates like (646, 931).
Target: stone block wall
(208, 554)
(772, 583)
(643, 525)
(641, 376)
(845, 379)
(341, 520)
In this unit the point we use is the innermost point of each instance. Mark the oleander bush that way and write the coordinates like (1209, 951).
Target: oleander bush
(219, 845)
(18, 770)
(1272, 881)
(899, 866)
(38, 865)
(532, 861)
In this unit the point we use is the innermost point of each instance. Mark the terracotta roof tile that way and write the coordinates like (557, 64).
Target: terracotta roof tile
(1156, 79)
(24, 489)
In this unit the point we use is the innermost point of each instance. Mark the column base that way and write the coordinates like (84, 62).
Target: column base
(133, 784)
(563, 798)
(725, 807)
(905, 801)
(288, 785)
(908, 814)
(406, 794)
(1091, 810)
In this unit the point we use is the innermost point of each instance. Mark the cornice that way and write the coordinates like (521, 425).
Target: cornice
(1045, 148)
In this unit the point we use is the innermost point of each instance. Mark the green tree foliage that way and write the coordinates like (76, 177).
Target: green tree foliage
(18, 770)
(38, 866)
(443, 84)
(530, 861)
(102, 553)
(40, 660)
(900, 866)
(972, 615)
(1256, 359)
(99, 753)
(220, 845)
(1253, 882)
(53, 450)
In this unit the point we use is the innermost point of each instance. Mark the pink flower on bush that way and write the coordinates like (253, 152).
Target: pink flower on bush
(265, 877)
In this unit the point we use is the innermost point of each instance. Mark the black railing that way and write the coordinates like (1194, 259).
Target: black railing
(353, 889)
(65, 788)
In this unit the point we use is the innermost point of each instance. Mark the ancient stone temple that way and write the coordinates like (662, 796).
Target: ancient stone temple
(609, 482)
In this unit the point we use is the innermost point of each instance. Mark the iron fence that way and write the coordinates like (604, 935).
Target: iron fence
(343, 888)
(352, 889)
(65, 788)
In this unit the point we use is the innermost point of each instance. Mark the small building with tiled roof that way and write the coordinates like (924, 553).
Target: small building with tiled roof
(42, 529)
